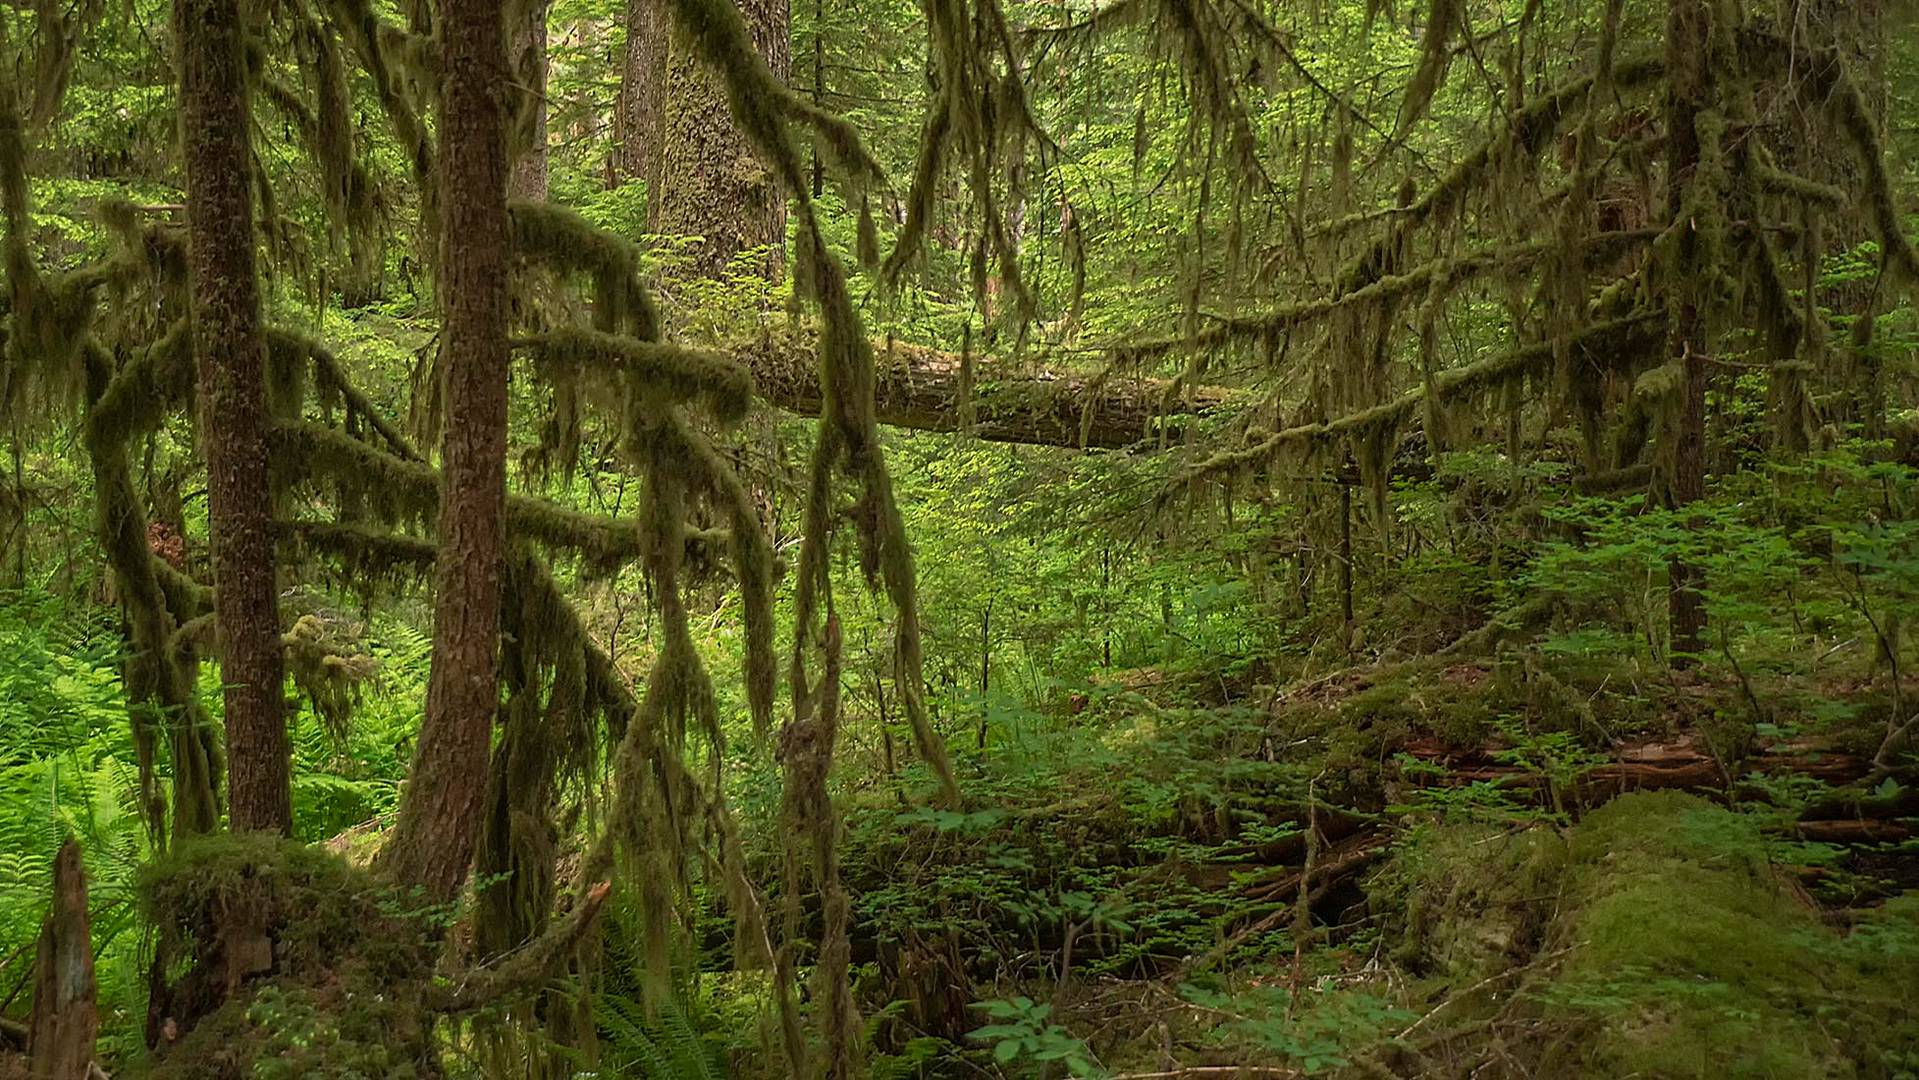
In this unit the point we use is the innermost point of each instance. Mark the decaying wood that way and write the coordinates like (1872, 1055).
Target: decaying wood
(65, 1017)
(1686, 762)
(921, 389)
(1682, 762)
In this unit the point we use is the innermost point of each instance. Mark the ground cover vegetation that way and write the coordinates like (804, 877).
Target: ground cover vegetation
(1143, 538)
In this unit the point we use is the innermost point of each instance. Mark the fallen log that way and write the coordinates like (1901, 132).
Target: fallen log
(927, 390)
(1687, 763)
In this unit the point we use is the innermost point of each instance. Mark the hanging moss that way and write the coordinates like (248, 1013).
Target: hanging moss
(677, 373)
(1447, 272)
(1618, 343)
(1444, 19)
(561, 239)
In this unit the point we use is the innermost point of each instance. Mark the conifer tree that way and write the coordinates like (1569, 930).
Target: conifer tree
(440, 810)
(230, 348)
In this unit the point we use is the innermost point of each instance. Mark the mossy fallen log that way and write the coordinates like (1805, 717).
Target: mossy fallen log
(927, 390)
(1656, 938)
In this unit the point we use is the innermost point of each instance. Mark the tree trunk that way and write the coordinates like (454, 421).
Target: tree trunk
(440, 808)
(528, 179)
(718, 189)
(228, 343)
(1690, 90)
(65, 1019)
(642, 77)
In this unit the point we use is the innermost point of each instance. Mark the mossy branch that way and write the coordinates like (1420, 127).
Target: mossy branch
(1603, 342)
(1443, 273)
(678, 373)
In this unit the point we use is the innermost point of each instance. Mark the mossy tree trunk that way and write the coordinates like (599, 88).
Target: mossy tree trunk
(439, 814)
(1689, 73)
(230, 349)
(719, 189)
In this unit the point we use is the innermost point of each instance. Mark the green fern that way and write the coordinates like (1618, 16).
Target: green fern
(667, 1045)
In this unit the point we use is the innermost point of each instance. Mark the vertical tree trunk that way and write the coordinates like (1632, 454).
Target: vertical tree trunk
(642, 77)
(528, 179)
(1690, 91)
(65, 1019)
(229, 345)
(440, 808)
(718, 190)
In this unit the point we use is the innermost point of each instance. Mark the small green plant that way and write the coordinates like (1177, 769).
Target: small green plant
(1026, 1033)
(1316, 1033)
(1556, 757)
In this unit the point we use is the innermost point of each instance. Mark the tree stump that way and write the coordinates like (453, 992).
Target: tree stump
(65, 1019)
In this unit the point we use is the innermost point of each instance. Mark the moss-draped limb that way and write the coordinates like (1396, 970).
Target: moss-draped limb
(678, 373)
(1526, 132)
(290, 348)
(50, 322)
(409, 491)
(763, 109)
(1445, 272)
(160, 680)
(1619, 343)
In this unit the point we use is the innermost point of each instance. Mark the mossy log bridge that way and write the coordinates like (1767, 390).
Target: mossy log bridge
(923, 389)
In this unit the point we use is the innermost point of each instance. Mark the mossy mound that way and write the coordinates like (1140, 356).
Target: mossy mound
(283, 960)
(1655, 939)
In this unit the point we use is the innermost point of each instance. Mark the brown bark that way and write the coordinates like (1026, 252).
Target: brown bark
(921, 389)
(1689, 91)
(528, 179)
(439, 814)
(641, 81)
(231, 354)
(65, 1019)
(711, 183)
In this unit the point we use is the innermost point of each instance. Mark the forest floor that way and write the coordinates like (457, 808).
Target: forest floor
(1518, 867)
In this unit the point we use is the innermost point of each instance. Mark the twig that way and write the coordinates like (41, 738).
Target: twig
(1478, 986)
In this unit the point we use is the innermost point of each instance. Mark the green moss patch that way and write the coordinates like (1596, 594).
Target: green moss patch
(1655, 939)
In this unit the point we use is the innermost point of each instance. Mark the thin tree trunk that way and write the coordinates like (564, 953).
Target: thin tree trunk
(719, 191)
(228, 343)
(1690, 90)
(439, 815)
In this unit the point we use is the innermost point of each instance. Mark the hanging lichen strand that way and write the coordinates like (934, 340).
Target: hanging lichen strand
(52, 356)
(1590, 301)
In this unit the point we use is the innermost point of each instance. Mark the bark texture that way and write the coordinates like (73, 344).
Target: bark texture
(1690, 91)
(711, 184)
(642, 74)
(65, 1018)
(922, 389)
(230, 350)
(528, 180)
(439, 815)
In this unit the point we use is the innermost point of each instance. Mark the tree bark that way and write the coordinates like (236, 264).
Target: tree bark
(528, 179)
(228, 343)
(641, 81)
(439, 814)
(718, 189)
(1689, 91)
(921, 389)
(65, 1018)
